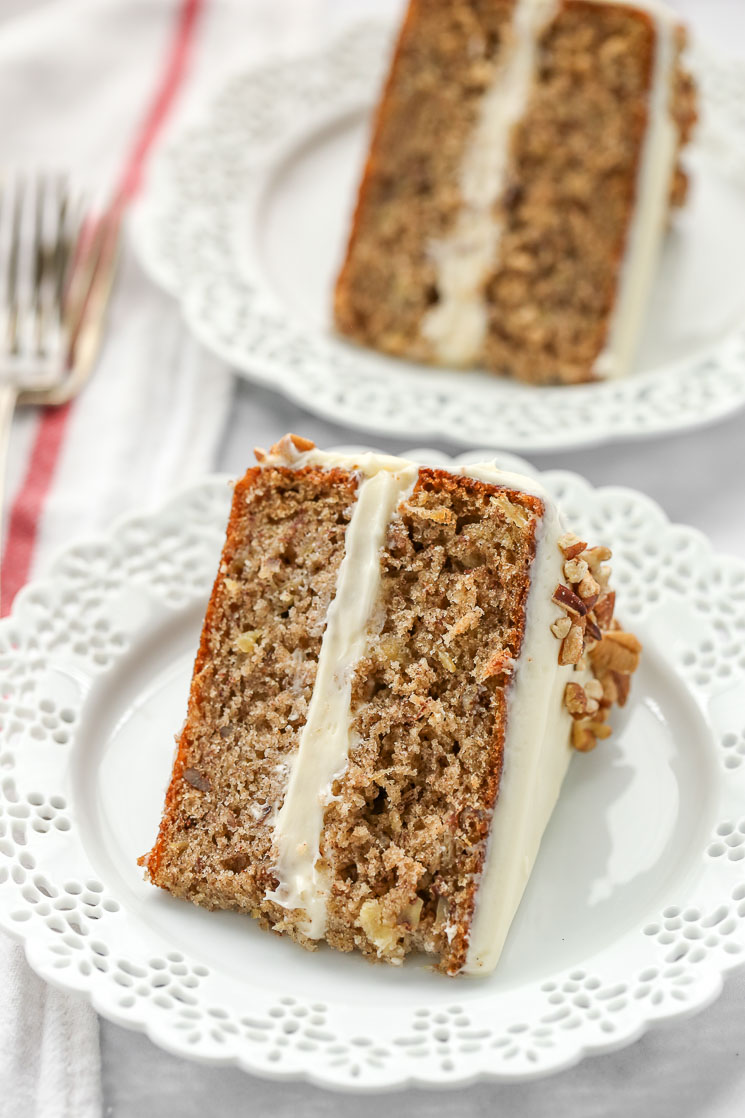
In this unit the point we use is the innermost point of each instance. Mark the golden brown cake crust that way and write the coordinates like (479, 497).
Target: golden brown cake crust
(153, 859)
(252, 681)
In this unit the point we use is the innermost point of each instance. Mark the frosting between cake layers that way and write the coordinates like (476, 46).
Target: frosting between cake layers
(457, 326)
(649, 218)
(325, 738)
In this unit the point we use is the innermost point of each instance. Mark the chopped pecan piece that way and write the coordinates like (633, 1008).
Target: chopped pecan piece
(571, 646)
(575, 699)
(602, 574)
(583, 739)
(592, 630)
(585, 734)
(575, 570)
(594, 556)
(571, 546)
(594, 689)
(288, 447)
(603, 609)
(588, 589)
(561, 627)
(623, 685)
(197, 780)
(378, 928)
(610, 690)
(569, 601)
(618, 651)
(235, 862)
(297, 441)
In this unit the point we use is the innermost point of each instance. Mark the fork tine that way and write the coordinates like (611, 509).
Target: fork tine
(93, 240)
(39, 257)
(13, 258)
(58, 273)
(62, 247)
(38, 226)
(92, 273)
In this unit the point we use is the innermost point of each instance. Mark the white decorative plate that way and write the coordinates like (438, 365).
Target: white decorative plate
(635, 910)
(246, 218)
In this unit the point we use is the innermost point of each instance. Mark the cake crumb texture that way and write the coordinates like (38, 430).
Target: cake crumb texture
(444, 63)
(252, 683)
(572, 192)
(405, 834)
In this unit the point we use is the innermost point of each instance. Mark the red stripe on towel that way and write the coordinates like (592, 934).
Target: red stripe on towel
(173, 76)
(28, 507)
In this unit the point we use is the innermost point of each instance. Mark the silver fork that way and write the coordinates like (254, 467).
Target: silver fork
(58, 278)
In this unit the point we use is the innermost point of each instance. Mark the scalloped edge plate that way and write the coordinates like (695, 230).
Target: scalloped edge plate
(82, 707)
(249, 200)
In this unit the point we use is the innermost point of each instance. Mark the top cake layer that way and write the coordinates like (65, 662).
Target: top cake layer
(517, 186)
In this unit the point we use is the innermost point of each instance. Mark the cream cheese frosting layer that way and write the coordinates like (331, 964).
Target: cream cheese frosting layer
(649, 219)
(536, 756)
(325, 738)
(456, 327)
(369, 462)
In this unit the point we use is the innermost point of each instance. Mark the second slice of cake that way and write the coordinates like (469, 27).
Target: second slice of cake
(523, 162)
(395, 664)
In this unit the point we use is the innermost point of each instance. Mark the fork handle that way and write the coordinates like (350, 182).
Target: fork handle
(8, 398)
